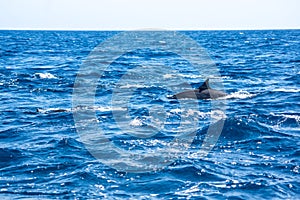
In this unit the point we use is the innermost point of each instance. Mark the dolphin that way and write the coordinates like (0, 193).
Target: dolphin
(203, 92)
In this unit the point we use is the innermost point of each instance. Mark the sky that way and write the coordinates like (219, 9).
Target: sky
(140, 14)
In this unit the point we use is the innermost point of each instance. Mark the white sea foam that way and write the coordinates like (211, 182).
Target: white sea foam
(49, 110)
(296, 117)
(289, 90)
(132, 86)
(45, 75)
(136, 122)
(288, 116)
(239, 95)
(101, 108)
(215, 114)
(168, 76)
(192, 76)
(93, 108)
(176, 110)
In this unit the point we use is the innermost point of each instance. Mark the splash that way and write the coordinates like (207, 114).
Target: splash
(45, 76)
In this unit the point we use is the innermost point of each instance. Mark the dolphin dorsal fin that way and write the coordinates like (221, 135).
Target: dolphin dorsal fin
(204, 86)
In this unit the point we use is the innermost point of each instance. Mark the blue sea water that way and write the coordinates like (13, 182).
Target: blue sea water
(257, 155)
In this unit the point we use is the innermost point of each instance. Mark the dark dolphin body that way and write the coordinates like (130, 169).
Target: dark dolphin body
(203, 92)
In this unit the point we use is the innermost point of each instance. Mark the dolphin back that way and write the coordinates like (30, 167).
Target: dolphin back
(203, 92)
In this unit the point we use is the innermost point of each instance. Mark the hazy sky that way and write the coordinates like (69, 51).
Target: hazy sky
(137, 14)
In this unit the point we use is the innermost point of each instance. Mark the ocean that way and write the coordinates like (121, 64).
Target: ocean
(87, 115)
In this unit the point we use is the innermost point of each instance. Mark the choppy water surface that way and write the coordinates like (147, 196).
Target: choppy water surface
(256, 156)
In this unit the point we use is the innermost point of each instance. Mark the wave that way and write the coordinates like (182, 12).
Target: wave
(45, 76)
(239, 95)
(287, 90)
(127, 86)
(53, 110)
(80, 108)
(287, 116)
